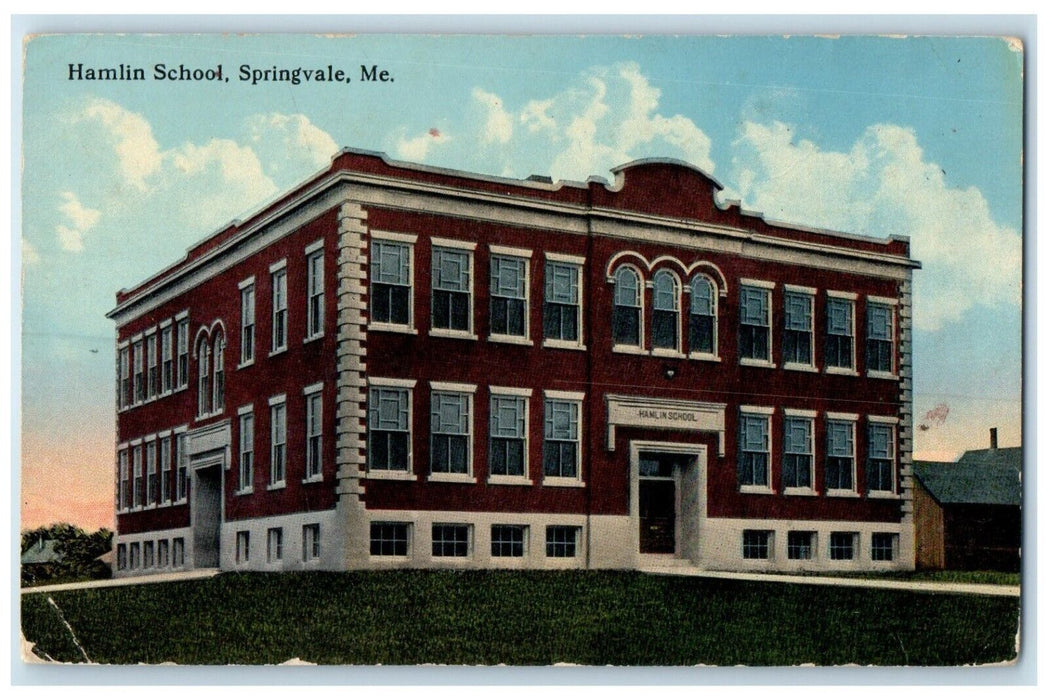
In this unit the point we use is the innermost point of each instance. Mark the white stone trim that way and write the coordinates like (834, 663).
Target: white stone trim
(452, 243)
(890, 420)
(579, 260)
(399, 383)
(834, 415)
(453, 387)
(761, 284)
(155, 536)
(837, 294)
(843, 371)
(752, 362)
(314, 388)
(393, 327)
(762, 410)
(314, 246)
(278, 266)
(408, 238)
(797, 367)
(886, 301)
(558, 344)
(450, 333)
(245, 283)
(279, 398)
(812, 291)
(510, 339)
(510, 390)
(331, 542)
(564, 396)
(510, 252)
(243, 410)
(800, 413)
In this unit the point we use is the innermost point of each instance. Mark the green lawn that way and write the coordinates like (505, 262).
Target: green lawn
(999, 578)
(517, 618)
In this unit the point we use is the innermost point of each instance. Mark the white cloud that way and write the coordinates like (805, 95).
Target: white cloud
(78, 220)
(289, 143)
(29, 254)
(417, 148)
(129, 135)
(498, 124)
(883, 185)
(535, 115)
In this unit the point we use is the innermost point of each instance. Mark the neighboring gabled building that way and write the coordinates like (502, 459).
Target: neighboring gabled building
(969, 512)
(395, 365)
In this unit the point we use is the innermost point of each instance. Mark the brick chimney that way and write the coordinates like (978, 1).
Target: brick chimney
(993, 438)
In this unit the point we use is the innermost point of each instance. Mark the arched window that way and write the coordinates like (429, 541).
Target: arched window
(625, 324)
(702, 335)
(204, 378)
(219, 387)
(666, 305)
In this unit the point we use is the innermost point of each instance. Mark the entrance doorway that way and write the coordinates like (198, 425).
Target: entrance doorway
(658, 500)
(206, 511)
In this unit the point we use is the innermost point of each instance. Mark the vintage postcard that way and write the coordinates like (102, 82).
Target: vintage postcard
(521, 350)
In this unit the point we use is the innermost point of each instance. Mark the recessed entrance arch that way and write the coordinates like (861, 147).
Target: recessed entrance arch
(667, 498)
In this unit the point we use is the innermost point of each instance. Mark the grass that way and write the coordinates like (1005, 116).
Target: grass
(518, 618)
(1000, 578)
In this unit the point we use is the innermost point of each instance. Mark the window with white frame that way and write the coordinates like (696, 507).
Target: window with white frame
(509, 296)
(756, 544)
(167, 360)
(508, 540)
(798, 458)
(880, 458)
(315, 294)
(508, 435)
(136, 555)
(181, 468)
(203, 378)
(183, 353)
(147, 555)
(665, 313)
(842, 546)
(389, 429)
(560, 443)
(124, 400)
(562, 541)
(165, 470)
(163, 553)
(121, 557)
(247, 323)
(140, 376)
(702, 321)
(840, 330)
(152, 367)
(628, 307)
(880, 338)
(450, 540)
(243, 546)
(449, 432)
(755, 323)
(279, 287)
(562, 308)
(314, 432)
(391, 283)
(274, 544)
(800, 545)
(452, 289)
(754, 449)
(798, 312)
(883, 546)
(277, 441)
(178, 552)
(840, 455)
(311, 542)
(389, 539)
(246, 471)
(138, 488)
(218, 386)
(151, 481)
(124, 496)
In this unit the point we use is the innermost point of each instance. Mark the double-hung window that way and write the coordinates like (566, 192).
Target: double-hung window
(137, 486)
(509, 295)
(665, 313)
(151, 480)
(243, 546)
(277, 441)
(880, 457)
(450, 419)
(183, 353)
(167, 359)
(561, 437)
(880, 338)
(452, 289)
(798, 307)
(165, 470)
(218, 395)
(315, 290)
(124, 399)
(278, 277)
(274, 544)
(509, 433)
(247, 321)
(245, 474)
(181, 468)
(153, 370)
(389, 428)
(314, 431)
(798, 450)
(628, 311)
(124, 496)
(840, 455)
(203, 378)
(755, 323)
(754, 448)
(840, 332)
(391, 282)
(702, 321)
(561, 312)
(140, 376)
(311, 542)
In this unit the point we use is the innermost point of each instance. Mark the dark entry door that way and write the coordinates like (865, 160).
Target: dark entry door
(658, 509)
(207, 516)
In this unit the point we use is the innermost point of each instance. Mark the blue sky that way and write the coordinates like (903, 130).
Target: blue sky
(919, 137)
